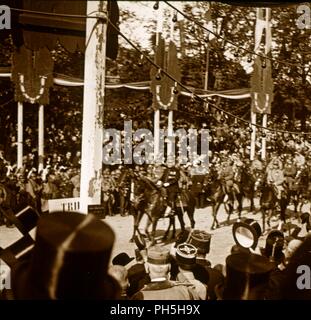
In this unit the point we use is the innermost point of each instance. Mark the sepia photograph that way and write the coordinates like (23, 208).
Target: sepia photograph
(155, 150)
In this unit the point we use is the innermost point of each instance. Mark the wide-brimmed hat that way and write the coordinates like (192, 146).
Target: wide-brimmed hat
(69, 260)
(247, 275)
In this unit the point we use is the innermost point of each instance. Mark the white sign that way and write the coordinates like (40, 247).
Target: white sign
(65, 205)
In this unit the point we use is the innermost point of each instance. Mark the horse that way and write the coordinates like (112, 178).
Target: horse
(244, 187)
(152, 202)
(301, 189)
(216, 193)
(269, 201)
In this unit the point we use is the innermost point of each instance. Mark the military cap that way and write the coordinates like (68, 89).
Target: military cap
(158, 255)
(186, 255)
(201, 240)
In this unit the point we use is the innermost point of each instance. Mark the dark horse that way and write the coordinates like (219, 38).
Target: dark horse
(150, 200)
(216, 193)
(269, 202)
(244, 188)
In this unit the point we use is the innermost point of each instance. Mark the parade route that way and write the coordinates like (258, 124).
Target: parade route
(221, 241)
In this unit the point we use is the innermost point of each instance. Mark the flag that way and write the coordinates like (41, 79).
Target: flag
(164, 95)
(261, 80)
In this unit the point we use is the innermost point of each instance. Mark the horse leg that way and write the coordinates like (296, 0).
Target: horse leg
(180, 219)
(190, 214)
(154, 226)
(137, 219)
(215, 223)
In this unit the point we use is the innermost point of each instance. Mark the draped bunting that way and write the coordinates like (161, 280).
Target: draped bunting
(63, 80)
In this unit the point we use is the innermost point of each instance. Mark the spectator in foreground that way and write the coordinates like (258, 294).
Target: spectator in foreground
(69, 261)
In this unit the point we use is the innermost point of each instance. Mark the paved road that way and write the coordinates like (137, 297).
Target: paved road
(221, 242)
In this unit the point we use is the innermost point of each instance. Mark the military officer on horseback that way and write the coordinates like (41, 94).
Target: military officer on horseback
(290, 171)
(227, 177)
(170, 181)
(275, 177)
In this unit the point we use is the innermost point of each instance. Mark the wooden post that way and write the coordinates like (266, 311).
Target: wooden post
(265, 115)
(41, 138)
(264, 141)
(93, 106)
(253, 135)
(171, 149)
(20, 134)
(157, 115)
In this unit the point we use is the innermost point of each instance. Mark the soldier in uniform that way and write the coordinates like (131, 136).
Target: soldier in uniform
(290, 171)
(170, 181)
(124, 192)
(275, 177)
(227, 176)
(108, 187)
(160, 287)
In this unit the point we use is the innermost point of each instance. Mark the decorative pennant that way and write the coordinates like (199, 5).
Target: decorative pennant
(165, 91)
(32, 75)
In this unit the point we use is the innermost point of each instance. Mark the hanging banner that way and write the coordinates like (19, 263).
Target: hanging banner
(32, 75)
(261, 80)
(165, 91)
(262, 87)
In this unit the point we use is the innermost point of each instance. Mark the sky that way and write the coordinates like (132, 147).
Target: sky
(146, 15)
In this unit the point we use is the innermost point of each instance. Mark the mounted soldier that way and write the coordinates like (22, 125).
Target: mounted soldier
(275, 177)
(170, 181)
(227, 177)
(290, 172)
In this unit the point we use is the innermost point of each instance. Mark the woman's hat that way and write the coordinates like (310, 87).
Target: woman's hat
(69, 260)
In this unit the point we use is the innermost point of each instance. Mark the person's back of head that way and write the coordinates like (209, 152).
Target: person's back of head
(297, 279)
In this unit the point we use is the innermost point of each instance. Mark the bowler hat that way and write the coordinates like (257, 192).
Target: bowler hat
(122, 259)
(186, 255)
(247, 275)
(246, 233)
(69, 260)
(201, 240)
